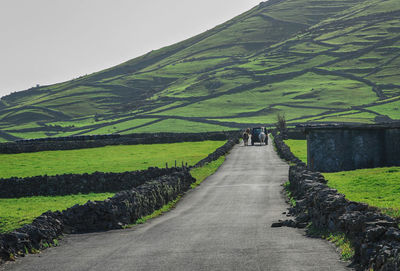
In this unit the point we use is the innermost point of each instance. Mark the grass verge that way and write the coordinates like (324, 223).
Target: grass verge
(158, 212)
(201, 173)
(338, 238)
(15, 213)
(289, 195)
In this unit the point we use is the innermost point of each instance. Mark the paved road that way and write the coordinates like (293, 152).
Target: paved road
(225, 224)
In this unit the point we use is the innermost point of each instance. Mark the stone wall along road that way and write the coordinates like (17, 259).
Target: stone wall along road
(224, 224)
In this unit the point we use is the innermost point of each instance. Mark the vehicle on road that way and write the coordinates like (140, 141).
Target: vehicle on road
(255, 133)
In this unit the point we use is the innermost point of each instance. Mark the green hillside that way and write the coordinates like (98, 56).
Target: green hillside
(314, 60)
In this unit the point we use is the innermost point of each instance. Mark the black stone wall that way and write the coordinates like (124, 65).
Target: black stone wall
(376, 237)
(127, 206)
(219, 152)
(68, 184)
(80, 142)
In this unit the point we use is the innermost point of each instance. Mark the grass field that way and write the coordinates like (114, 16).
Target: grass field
(105, 159)
(377, 187)
(201, 173)
(298, 148)
(181, 126)
(17, 212)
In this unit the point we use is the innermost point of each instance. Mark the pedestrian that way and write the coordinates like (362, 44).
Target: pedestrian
(246, 136)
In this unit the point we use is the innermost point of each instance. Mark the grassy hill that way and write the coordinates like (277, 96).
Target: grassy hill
(314, 60)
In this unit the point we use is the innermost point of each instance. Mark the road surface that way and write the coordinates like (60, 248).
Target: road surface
(224, 224)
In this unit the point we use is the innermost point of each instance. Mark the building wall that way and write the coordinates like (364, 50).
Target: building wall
(392, 147)
(331, 150)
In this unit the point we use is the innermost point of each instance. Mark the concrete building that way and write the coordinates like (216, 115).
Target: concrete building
(332, 148)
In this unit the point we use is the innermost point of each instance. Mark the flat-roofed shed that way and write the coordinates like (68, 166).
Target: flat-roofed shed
(340, 147)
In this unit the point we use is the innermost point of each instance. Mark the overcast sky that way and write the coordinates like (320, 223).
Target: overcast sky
(50, 41)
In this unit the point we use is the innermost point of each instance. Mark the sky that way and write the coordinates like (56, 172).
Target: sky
(51, 41)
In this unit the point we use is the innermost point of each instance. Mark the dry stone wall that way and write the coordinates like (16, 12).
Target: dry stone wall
(68, 184)
(376, 237)
(219, 152)
(127, 206)
(80, 142)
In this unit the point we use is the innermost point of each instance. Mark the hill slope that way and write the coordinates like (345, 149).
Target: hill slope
(314, 60)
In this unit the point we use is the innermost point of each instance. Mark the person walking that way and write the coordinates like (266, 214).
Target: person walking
(246, 136)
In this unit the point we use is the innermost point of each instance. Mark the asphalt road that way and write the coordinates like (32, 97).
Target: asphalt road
(224, 224)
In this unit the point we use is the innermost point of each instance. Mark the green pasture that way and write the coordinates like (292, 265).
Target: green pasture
(190, 67)
(260, 64)
(105, 159)
(378, 6)
(30, 135)
(390, 109)
(347, 116)
(298, 148)
(298, 12)
(331, 92)
(291, 114)
(15, 213)
(202, 87)
(308, 47)
(388, 74)
(165, 106)
(201, 173)
(377, 187)
(181, 126)
(82, 122)
(392, 92)
(22, 126)
(123, 127)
